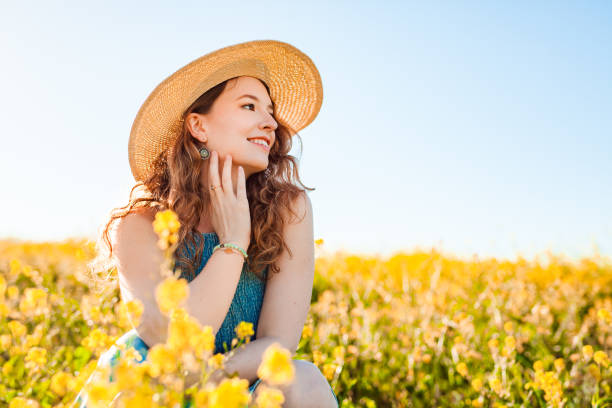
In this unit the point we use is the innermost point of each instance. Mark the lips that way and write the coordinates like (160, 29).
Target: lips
(264, 138)
(265, 148)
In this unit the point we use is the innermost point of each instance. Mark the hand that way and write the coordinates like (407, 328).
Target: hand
(231, 217)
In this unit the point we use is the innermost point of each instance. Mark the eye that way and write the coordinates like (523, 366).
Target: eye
(253, 105)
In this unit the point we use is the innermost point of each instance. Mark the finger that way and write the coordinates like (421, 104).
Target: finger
(241, 184)
(213, 171)
(227, 175)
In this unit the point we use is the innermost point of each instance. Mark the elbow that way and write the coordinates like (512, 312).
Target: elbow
(153, 330)
(289, 345)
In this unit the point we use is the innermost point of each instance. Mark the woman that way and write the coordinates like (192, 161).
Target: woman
(212, 144)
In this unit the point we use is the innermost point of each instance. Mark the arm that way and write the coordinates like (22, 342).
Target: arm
(286, 299)
(139, 260)
(288, 294)
(245, 361)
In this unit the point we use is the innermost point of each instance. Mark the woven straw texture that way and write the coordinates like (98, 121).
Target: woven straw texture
(294, 82)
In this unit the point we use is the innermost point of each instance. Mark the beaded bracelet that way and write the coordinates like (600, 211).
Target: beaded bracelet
(230, 247)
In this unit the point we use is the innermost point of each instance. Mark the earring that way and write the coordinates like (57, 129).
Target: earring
(204, 153)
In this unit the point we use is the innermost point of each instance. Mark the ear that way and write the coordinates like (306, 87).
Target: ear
(195, 125)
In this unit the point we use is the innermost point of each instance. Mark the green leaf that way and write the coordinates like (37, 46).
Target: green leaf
(81, 357)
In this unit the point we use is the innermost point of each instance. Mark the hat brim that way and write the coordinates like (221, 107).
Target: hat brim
(295, 89)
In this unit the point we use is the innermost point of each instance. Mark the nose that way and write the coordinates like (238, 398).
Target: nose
(269, 122)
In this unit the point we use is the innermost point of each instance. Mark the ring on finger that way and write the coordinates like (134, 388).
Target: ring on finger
(215, 187)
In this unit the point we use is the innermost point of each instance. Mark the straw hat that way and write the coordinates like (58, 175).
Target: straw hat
(294, 82)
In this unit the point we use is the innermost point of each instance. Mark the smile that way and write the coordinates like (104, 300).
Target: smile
(261, 144)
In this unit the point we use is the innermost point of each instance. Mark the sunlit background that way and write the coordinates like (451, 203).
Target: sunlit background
(476, 128)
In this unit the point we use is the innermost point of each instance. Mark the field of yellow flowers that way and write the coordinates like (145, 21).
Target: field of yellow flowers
(414, 330)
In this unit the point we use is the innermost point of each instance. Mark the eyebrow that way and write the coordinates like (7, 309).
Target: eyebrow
(254, 98)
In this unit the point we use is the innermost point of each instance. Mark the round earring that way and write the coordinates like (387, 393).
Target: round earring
(204, 153)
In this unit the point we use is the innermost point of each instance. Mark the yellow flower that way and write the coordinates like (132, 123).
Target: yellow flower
(166, 225)
(338, 353)
(319, 242)
(36, 357)
(202, 341)
(96, 340)
(17, 329)
(276, 366)
(604, 315)
(33, 339)
(171, 293)
(7, 367)
(307, 331)
(95, 314)
(4, 309)
(185, 334)
(202, 398)
(553, 389)
(587, 352)
(478, 403)
(59, 383)
(477, 384)
(231, 393)
(559, 364)
(162, 360)
(216, 361)
(462, 369)
(538, 365)
(138, 399)
(426, 358)
(493, 343)
(594, 371)
(129, 375)
(329, 370)
(179, 329)
(2, 287)
(20, 402)
(244, 330)
(100, 394)
(317, 357)
(12, 292)
(510, 342)
(33, 301)
(495, 385)
(269, 397)
(15, 267)
(508, 327)
(601, 358)
(130, 313)
(5, 341)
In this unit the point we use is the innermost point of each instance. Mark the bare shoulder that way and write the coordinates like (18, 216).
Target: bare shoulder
(300, 209)
(134, 234)
(138, 260)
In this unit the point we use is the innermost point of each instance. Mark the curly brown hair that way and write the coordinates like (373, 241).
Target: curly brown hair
(176, 186)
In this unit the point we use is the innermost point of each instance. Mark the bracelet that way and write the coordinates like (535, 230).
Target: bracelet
(230, 247)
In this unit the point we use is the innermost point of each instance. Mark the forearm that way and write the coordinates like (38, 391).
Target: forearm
(212, 291)
(210, 295)
(245, 361)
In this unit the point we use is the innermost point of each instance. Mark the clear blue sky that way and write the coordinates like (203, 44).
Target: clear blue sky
(474, 127)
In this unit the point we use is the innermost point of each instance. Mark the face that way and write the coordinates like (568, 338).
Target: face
(234, 119)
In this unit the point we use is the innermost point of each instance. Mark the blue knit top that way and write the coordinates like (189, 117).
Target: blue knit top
(245, 306)
(247, 301)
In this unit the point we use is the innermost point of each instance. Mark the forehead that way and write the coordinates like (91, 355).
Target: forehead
(246, 85)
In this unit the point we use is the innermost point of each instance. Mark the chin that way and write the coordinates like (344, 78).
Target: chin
(252, 168)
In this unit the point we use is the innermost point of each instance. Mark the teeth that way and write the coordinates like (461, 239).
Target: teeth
(261, 142)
